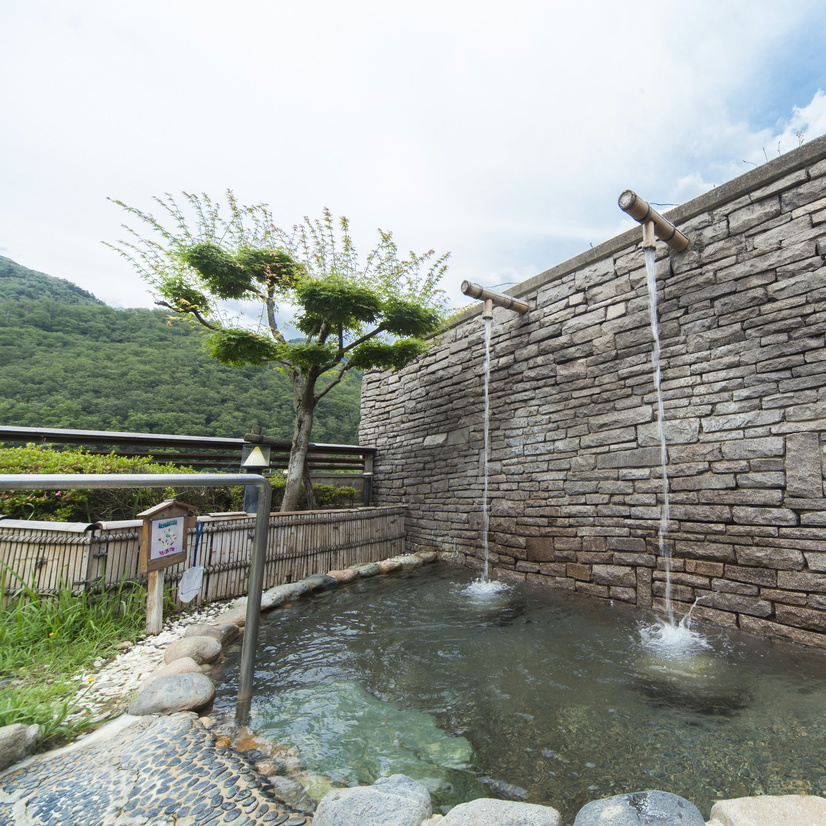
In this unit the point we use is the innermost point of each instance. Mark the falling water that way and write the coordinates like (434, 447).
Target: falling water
(665, 512)
(485, 589)
(486, 450)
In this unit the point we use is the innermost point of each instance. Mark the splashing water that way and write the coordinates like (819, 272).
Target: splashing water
(665, 511)
(482, 590)
(672, 641)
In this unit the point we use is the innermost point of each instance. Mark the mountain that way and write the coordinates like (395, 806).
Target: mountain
(69, 360)
(22, 284)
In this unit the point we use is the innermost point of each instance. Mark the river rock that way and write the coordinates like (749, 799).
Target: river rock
(788, 810)
(370, 569)
(16, 742)
(289, 592)
(427, 556)
(651, 808)
(487, 811)
(236, 616)
(292, 793)
(201, 649)
(320, 582)
(203, 629)
(345, 575)
(391, 801)
(504, 789)
(229, 632)
(410, 561)
(388, 566)
(183, 665)
(174, 692)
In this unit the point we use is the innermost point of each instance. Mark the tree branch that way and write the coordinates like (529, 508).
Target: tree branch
(193, 312)
(271, 320)
(344, 368)
(365, 337)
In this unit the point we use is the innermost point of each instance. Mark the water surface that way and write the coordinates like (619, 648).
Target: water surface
(556, 695)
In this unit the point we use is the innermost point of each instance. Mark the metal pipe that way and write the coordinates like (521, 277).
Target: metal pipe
(507, 302)
(96, 481)
(643, 212)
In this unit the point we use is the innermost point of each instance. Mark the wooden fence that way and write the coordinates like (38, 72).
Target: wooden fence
(50, 555)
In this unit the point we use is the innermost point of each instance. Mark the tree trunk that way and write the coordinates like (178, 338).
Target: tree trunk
(304, 406)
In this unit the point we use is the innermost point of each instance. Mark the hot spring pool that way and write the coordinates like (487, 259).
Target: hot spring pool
(531, 694)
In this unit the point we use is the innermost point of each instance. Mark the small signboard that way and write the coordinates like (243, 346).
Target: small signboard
(163, 537)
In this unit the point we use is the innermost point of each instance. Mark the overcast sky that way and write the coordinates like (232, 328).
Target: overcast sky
(502, 132)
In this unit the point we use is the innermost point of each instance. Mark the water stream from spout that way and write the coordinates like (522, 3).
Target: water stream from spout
(665, 508)
(486, 452)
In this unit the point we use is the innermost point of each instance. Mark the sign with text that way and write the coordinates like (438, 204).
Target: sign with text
(163, 538)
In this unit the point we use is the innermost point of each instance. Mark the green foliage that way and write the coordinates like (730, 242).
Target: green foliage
(307, 355)
(97, 505)
(407, 318)
(335, 302)
(392, 356)
(269, 266)
(239, 348)
(346, 307)
(225, 252)
(46, 639)
(183, 297)
(327, 497)
(88, 366)
(220, 273)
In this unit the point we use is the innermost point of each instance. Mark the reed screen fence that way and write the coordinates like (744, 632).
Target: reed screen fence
(47, 556)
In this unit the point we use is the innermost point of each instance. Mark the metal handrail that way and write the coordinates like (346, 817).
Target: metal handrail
(96, 481)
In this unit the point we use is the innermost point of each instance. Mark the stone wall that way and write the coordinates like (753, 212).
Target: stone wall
(575, 485)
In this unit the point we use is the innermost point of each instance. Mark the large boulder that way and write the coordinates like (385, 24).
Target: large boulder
(651, 808)
(487, 811)
(183, 665)
(788, 810)
(200, 649)
(391, 801)
(16, 742)
(203, 629)
(174, 692)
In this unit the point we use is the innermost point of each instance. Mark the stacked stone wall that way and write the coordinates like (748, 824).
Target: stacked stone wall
(575, 479)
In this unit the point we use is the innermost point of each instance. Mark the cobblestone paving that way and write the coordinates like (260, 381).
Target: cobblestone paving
(156, 772)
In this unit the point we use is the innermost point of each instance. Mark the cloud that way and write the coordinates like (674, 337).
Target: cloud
(504, 134)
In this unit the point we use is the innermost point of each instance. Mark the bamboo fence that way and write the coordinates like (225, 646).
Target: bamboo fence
(47, 556)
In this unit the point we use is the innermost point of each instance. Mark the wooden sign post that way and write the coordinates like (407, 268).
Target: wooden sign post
(163, 543)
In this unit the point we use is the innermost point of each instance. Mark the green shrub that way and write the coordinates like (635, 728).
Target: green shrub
(97, 505)
(327, 497)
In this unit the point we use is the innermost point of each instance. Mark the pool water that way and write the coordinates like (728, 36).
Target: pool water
(532, 694)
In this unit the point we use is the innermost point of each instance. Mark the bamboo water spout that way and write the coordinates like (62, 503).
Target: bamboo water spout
(491, 297)
(653, 224)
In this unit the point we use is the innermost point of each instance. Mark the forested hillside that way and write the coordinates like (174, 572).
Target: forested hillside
(68, 360)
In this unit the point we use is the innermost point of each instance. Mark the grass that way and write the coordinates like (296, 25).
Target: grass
(46, 639)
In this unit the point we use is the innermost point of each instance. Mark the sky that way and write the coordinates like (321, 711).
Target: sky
(503, 133)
